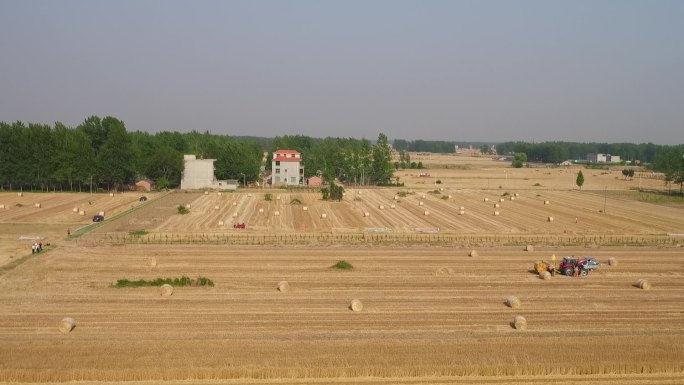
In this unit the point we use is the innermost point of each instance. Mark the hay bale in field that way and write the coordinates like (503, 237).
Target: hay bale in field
(206, 193)
(278, 197)
(462, 208)
(166, 290)
(545, 275)
(496, 213)
(520, 323)
(324, 215)
(2, 207)
(550, 219)
(305, 208)
(261, 210)
(396, 197)
(234, 203)
(101, 213)
(486, 199)
(529, 248)
(219, 193)
(81, 213)
(513, 302)
(283, 286)
(512, 198)
(187, 205)
(612, 261)
(152, 262)
(36, 205)
(501, 200)
(473, 253)
(444, 271)
(516, 194)
(276, 213)
(67, 325)
(426, 213)
(111, 194)
(221, 223)
(441, 189)
(235, 215)
(366, 214)
(462, 212)
(249, 195)
(496, 205)
(546, 202)
(75, 209)
(643, 284)
(358, 192)
(420, 203)
(20, 194)
(356, 305)
(216, 207)
(381, 207)
(393, 206)
(449, 196)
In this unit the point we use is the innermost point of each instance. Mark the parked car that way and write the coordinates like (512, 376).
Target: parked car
(98, 218)
(143, 199)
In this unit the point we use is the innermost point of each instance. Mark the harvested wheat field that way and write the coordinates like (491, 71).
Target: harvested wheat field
(416, 326)
(418, 306)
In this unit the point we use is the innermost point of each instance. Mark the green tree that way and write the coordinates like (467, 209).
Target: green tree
(580, 179)
(519, 158)
(381, 166)
(115, 159)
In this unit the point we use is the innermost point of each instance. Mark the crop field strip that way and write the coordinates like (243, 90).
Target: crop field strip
(414, 322)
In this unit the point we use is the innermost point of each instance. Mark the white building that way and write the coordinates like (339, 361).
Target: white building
(199, 174)
(603, 158)
(287, 168)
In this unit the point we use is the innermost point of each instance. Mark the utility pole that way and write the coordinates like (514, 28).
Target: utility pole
(605, 198)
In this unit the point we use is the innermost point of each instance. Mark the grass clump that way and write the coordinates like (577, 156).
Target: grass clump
(342, 265)
(183, 210)
(138, 233)
(295, 201)
(445, 197)
(505, 194)
(403, 194)
(433, 192)
(537, 184)
(175, 282)
(268, 197)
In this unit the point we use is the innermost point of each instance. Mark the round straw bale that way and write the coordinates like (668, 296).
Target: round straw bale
(283, 286)
(473, 253)
(423, 196)
(166, 290)
(261, 210)
(612, 261)
(111, 194)
(381, 207)
(449, 196)
(550, 219)
(396, 197)
(305, 208)
(75, 209)
(486, 199)
(67, 325)
(546, 202)
(420, 203)
(278, 197)
(496, 205)
(393, 206)
(462, 208)
(358, 192)
(426, 212)
(152, 262)
(235, 215)
(366, 214)
(545, 275)
(101, 213)
(516, 194)
(82, 212)
(324, 215)
(249, 195)
(441, 189)
(344, 194)
(276, 213)
(20, 194)
(206, 193)
(219, 193)
(216, 207)
(501, 200)
(221, 223)
(2, 207)
(512, 198)
(643, 284)
(187, 206)
(462, 212)
(36, 205)
(356, 305)
(496, 213)
(513, 302)
(529, 248)
(519, 322)
(234, 203)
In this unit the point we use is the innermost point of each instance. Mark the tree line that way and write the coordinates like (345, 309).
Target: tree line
(557, 152)
(100, 154)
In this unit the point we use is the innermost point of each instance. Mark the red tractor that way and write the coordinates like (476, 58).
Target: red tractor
(572, 266)
(240, 226)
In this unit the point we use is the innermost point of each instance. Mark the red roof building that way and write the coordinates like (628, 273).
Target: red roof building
(287, 168)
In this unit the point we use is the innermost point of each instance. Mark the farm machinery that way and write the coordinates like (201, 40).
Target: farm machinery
(569, 266)
(240, 226)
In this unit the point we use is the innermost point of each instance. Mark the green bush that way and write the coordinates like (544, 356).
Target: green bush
(175, 282)
(342, 265)
(138, 233)
(295, 201)
(183, 210)
(268, 197)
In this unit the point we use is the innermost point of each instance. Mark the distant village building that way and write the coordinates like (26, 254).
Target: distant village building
(314, 181)
(287, 168)
(199, 174)
(144, 185)
(602, 158)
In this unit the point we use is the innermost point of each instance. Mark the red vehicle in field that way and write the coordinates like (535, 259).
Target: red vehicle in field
(239, 226)
(580, 266)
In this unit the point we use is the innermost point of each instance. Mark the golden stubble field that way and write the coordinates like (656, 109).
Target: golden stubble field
(431, 315)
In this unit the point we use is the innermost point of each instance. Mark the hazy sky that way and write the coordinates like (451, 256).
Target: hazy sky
(594, 70)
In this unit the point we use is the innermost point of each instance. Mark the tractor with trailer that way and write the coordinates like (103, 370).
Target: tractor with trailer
(581, 266)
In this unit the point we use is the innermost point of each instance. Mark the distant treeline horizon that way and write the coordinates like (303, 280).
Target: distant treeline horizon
(100, 153)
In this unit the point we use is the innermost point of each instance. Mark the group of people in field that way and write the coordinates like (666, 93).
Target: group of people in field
(37, 247)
